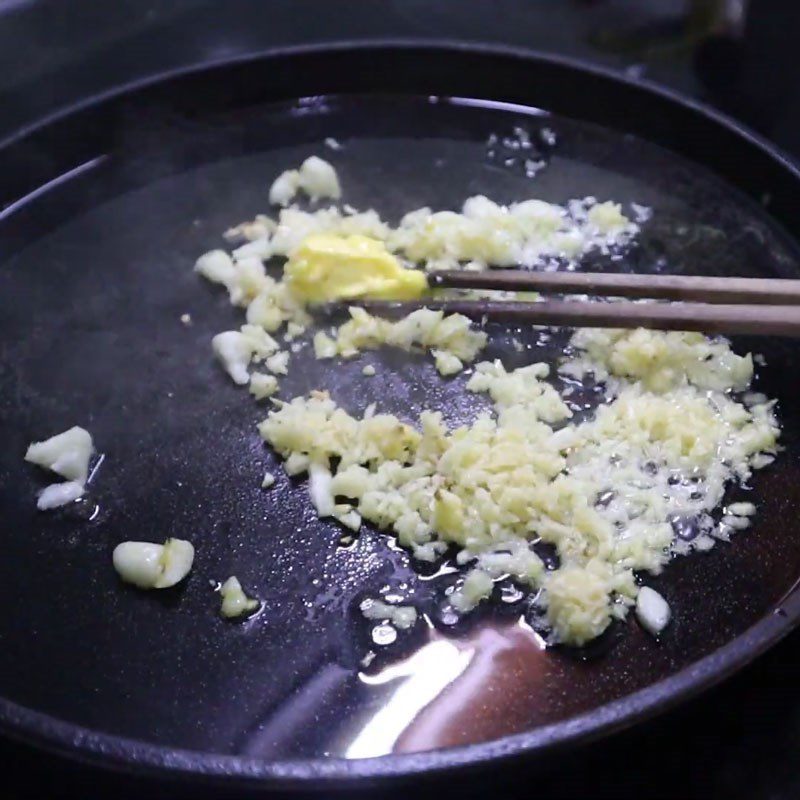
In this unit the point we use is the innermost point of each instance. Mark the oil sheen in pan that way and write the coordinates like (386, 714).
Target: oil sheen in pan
(91, 329)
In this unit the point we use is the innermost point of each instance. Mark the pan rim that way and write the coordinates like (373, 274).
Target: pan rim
(127, 755)
(110, 750)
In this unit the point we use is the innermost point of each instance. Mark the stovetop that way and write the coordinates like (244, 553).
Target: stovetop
(739, 740)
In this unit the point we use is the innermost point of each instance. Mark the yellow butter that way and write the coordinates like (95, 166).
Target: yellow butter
(327, 267)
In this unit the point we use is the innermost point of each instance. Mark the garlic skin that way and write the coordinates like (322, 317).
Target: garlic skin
(153, 566)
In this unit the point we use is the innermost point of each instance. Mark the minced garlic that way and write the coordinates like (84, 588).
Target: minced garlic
(578, 600)
(610, 491)
(659, 360)
(451, 338)
(477, 586)
(482, 234)
(485, 233)
(603, 491)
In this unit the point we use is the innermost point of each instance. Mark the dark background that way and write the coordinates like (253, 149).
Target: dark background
(739, 740)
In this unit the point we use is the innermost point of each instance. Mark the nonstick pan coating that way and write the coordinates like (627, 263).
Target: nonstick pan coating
(106, 209)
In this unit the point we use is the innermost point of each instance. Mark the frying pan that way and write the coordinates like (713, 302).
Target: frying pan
(106, 206)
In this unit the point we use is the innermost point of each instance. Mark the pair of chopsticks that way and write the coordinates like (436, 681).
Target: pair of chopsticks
(769, 306)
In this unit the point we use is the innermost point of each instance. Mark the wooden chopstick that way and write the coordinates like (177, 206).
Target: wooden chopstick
(771, 320)
(767, 291)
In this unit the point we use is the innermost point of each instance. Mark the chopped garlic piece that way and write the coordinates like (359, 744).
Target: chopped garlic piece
(275, 304)
(66, 453)
(319, 179)
(402, 617)
(521, 389)
(232, 349)
(652, 610)
(216, 266)
(737, 523)
(450, 335)
(235, 602)
(296, 464)
(243, 275)
(59, 494)
(316, 177)
(578, 602)
(741, 509)
(236, 349)
(262, 385)
(761, 460)
(186, 319)
(268, 480)
(446, 363)
(154, 566)
(477, 586)
(319, 487)
(278, 363)
(350, 519)
(293, 330)
(324, 346)
(139, 563)
(250, 271)
(284, 188)
(368, 370)
(259, 228)
(607, 217)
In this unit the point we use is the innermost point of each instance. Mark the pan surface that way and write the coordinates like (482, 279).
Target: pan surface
(107, 208)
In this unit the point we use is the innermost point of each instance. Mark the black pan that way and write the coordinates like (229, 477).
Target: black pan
(106, 208)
